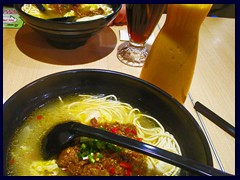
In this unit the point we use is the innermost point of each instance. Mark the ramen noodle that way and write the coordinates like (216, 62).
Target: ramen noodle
(81, 12)
(26, 144)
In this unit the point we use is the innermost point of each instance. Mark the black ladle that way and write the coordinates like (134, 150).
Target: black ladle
(62, 135)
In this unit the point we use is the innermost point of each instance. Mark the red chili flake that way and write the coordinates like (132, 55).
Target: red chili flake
(139, 139)
(134, 132)
(127, 172)
(12, 161)
(125, 165)
(114, 130)
(39, 117)
(127, 130)
(112, 170)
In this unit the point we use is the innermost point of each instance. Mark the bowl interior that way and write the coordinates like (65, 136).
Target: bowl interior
(149, 99)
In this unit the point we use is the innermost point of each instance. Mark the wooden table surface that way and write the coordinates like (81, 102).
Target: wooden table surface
(27, 56)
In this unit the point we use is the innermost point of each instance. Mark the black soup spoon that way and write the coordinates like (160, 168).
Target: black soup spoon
(61, 136)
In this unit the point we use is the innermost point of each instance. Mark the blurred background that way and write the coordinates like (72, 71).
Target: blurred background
(223, 10)
(218, 10)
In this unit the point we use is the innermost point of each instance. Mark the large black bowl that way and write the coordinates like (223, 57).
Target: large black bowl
(140, 94)
(67, 35)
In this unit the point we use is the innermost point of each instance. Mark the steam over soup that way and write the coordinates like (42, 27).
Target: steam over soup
(81, 12)
(90, 156)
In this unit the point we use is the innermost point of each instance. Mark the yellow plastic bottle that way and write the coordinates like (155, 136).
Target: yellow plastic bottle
(171, 61)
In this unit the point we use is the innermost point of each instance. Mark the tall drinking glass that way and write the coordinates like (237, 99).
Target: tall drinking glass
(141, 21)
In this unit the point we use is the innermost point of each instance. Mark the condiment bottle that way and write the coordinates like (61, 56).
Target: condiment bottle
(171, 61)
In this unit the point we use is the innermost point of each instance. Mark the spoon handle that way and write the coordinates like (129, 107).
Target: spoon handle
(40, 7)
(161, 154)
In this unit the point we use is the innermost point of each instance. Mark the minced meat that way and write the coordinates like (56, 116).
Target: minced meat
(122, 163)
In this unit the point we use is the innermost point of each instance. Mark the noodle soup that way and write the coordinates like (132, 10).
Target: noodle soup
(81, 12)
(100, 112)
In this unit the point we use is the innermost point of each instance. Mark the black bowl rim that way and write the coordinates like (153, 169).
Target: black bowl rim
(59, 22)
(203, 138)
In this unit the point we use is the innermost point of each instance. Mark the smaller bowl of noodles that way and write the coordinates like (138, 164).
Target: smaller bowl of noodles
(109, 100)
(81, 21)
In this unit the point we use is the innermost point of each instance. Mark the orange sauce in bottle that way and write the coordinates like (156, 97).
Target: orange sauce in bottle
(171, 61)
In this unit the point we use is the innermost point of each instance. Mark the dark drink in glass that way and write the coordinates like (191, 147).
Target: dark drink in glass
(142, 19)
